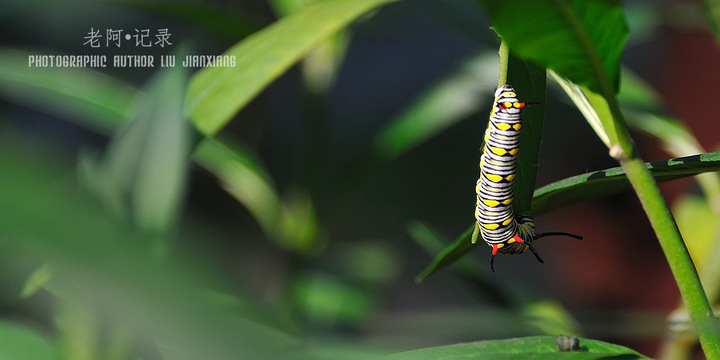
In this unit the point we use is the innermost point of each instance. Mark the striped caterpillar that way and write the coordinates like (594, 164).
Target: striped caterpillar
(499, 226)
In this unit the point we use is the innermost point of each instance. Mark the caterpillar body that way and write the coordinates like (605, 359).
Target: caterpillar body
(501, 229)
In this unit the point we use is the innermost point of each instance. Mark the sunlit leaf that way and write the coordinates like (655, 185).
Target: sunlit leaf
(321, 64)
(588, 108)
(216, 94)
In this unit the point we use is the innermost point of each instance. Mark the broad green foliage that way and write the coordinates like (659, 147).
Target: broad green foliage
(216, 94)
(581, 39)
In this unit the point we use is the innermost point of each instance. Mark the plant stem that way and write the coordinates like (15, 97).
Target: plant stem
(678, 257)
(667, 232)
(504, 53)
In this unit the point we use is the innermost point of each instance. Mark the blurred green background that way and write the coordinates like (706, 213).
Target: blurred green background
(296, 231)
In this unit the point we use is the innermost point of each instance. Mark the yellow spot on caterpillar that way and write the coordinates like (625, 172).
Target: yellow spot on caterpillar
(510, 177)
(491, 203)
(513, 151)
(497, 150)
(491, 226)
(508, 221)
(500, 246)
(503, 126)
(517, 127)
(494, 178)
(508, 201)
(477, 188)
(511, 240)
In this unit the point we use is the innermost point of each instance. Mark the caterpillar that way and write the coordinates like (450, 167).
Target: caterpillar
(501, 229)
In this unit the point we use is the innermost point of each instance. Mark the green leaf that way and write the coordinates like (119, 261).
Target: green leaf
(602, 183)
(105, 265)
(81, 95)
(244, 177)
(698, 223)
(19, 342)
(582, 188)
(461, 246)
(529, 81)
(216, 94)
(320, 66)
(142, 175)
(581, 40)
(37, 281)
(292, 223)
(527, 348)
(450, 100)
(591, 106)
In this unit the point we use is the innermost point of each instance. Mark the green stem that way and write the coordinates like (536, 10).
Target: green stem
(667, 233)
(677, 255)
(504, 53)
